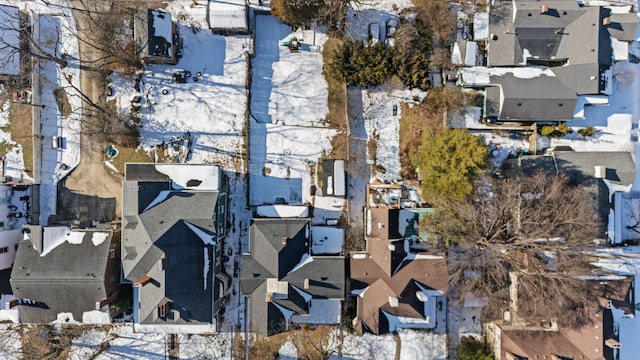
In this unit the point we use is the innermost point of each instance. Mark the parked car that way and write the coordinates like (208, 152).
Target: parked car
(374, 32)
(392, 25)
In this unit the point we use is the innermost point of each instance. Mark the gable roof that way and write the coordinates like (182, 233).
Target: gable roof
(279, 252)
(624, 27)
(55, 282)
(564, 32)
(538, 98)
(390, 272)
(164, 220)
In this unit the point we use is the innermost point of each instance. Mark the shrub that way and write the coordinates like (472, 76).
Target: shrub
(472, 349)
(547, 130)
(588, 131)
(564, 129)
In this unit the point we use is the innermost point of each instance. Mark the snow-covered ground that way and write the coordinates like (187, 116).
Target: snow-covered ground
(382, 126)
(56, 34)
(288, 105)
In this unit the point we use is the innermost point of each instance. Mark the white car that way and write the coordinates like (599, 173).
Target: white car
(374, 32)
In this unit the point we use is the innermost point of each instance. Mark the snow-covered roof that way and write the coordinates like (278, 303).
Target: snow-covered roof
(321, 311)
(481, 26)
(626, 217)
(228, 14)
(192, 177)
(10, 35)
(162, 26)
(326, 240)
(282, 211)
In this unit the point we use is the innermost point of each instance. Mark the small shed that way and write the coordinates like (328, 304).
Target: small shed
(333, 178)
(228, 17)
(155, 37)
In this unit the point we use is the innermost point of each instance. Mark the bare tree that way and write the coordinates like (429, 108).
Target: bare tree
(320, 342)
(538, 226)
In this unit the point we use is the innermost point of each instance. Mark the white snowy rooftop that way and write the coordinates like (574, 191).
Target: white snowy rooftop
(228, 14)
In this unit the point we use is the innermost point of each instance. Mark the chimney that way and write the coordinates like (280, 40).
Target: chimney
(11, 304)
(601, 171)
(393, 301)
(513, 293)
(142, 281)
(163, 263)
(544, 9)
(284, 240)
(268, 297)
(306, 283)
(606, 21)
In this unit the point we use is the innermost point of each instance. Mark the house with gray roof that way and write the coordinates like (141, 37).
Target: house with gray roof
(58, 270)
(174, 220)
(283, 283)
(546, 58)
(601, 173)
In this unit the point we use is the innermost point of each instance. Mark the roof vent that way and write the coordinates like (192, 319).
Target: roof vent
(544, 9)
(612, 343)
(393, 301)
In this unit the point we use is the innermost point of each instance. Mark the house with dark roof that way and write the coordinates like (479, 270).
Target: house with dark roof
(10, 45)
(395, 287)
(546, 60)
(62, 271)
(284, 283)
(174, 221)
(516, 337)
(601, 173)
(155, 36)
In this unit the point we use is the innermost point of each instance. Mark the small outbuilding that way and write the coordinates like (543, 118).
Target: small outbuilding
(155, 36)
(228, 17)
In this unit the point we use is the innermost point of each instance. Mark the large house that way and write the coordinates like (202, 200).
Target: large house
(396, 287)
(62, 271)
(174, 220)
(515, 337)
(546, 60)
(155, 37)
(284, 282)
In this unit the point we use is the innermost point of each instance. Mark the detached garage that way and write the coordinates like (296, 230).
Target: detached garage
(228, 17)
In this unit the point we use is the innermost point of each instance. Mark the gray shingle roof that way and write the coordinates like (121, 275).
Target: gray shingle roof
(160, 222)
(539, 98)
(70, 278)
(277, 248)
(565, 31)
(624, 27)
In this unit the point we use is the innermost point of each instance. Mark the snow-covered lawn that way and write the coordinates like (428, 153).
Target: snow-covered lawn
(288, 105)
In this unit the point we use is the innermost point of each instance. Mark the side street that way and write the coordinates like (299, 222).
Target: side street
(241, 179)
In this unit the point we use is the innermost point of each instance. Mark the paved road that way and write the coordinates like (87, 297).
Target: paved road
(358, 170)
